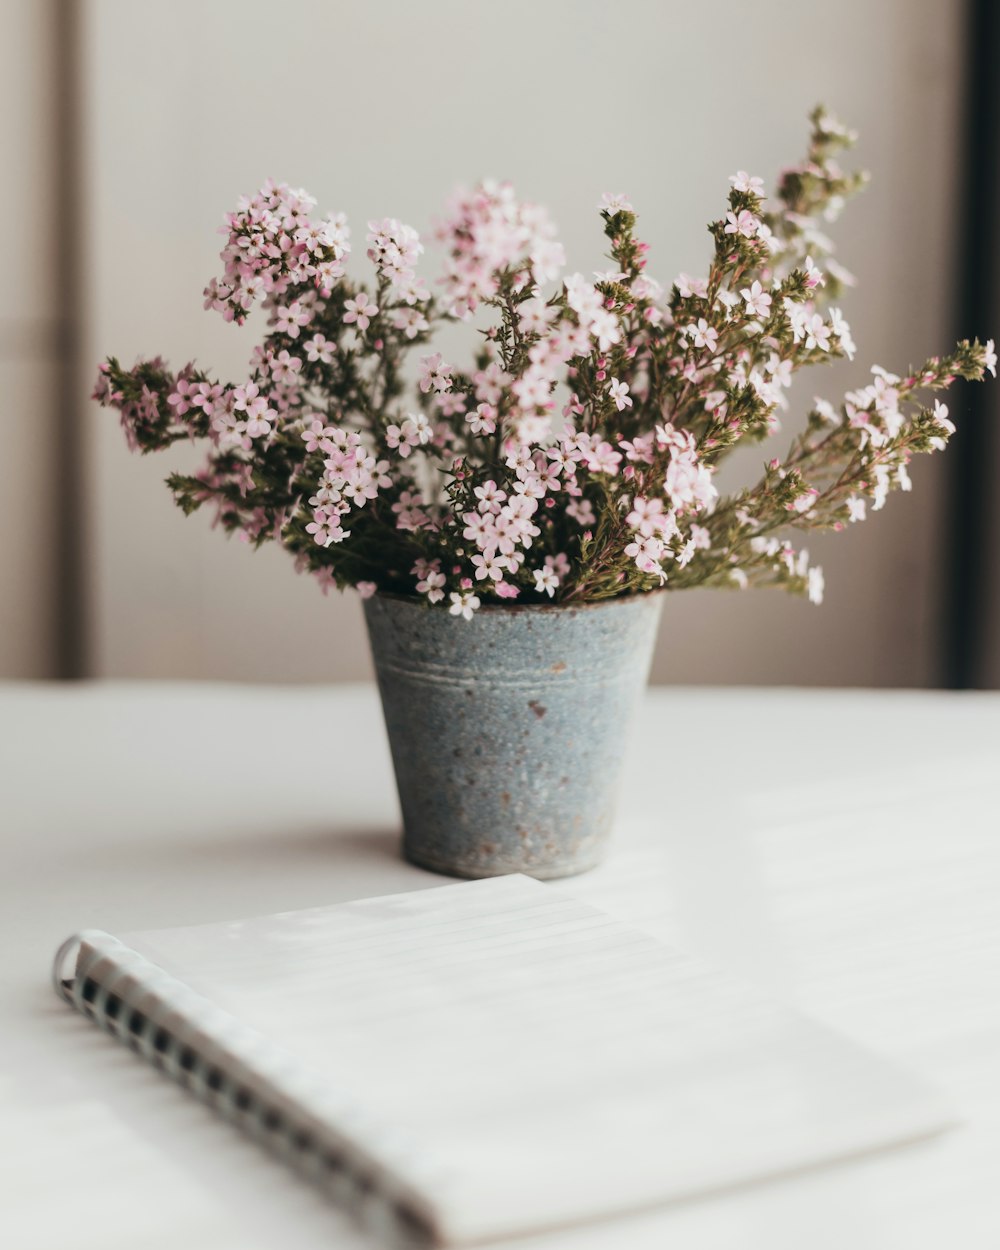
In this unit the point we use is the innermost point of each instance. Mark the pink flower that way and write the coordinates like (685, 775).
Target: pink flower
(582, 512)
(490, 496)
(431, 584)
(489, 565)
(478, 528)
(360, 310)
(244, 396)
(647, 554)
(284, 367)
(490, 383)
(434, 373)
(744, 223)
(182, 396)
(535, 316)
(206, 397)
(319, 348)
(259, 417)
(411, 321)
(602, 458)
(366, 589)
(640, 449)
(415, 431)
(483, 420)
(647, 516)
(289, 320)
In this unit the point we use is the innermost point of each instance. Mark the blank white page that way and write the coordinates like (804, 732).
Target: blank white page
(526, 1060)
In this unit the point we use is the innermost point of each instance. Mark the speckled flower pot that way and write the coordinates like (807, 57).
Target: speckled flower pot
(508, 731)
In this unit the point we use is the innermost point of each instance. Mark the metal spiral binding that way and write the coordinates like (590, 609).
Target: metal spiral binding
(126, 996)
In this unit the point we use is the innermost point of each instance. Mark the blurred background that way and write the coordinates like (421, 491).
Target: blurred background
(129, 129)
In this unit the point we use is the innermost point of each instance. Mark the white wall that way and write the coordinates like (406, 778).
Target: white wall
(382, 109)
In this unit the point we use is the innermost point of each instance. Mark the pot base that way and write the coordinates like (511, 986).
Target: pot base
(541, 872)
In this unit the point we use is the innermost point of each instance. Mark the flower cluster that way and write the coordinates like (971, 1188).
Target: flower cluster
(575, 457)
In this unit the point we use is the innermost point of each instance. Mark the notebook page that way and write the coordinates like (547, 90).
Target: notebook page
(538, 1061)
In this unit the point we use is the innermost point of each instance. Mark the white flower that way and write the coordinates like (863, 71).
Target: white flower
(947, 425)
(814, 275)
(817, 333)
(816, 585)
(702, 334)
(463, 603)
(688, 286)
(545, 581)
(742, 181)
(605, 328)
(534, 316)
(612, 204)
(825, 409)
(839, 326)
(619, 393)
(758, 302)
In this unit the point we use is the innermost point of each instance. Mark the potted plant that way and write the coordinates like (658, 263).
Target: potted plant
(512, 524)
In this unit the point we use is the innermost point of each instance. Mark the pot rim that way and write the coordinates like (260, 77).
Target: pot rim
(419, 601)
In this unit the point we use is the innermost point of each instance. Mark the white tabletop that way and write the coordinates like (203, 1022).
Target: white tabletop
(841, 848)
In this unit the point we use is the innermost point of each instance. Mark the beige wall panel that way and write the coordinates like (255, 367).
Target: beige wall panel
(28, 307)
(27, 527)
(381, 109)
(27, 117)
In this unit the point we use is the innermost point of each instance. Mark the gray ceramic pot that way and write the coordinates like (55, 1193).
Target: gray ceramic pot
(508, 731)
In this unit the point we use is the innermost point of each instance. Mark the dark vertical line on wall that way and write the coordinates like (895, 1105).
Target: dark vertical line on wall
(971, 454)
(69, 554)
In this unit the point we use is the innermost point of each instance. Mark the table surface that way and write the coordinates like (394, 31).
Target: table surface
(840, 848)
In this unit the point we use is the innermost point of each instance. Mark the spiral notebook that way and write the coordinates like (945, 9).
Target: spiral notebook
(479, 1060)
